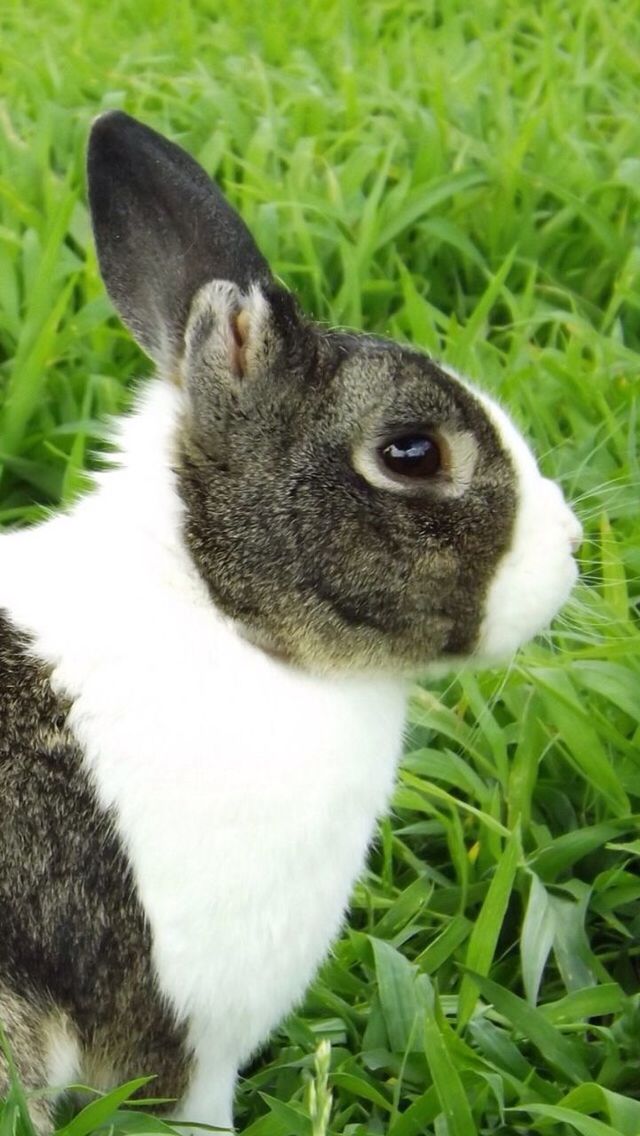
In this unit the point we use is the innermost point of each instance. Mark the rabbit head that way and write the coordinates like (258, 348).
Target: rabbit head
(349, 502)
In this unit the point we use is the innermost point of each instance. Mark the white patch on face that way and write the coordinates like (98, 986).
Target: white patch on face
(536, 575)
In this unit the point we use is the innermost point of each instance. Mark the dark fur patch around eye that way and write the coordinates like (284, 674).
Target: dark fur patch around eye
(260, 537)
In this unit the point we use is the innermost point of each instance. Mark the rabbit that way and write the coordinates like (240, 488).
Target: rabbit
(204, 662)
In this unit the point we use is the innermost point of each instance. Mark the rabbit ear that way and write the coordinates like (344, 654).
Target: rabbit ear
(162, 230)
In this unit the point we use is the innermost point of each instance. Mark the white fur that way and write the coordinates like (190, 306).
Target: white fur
(537, 573)
(62, 1052)
(245, 792)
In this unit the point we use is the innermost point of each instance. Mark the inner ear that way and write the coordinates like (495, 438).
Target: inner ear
(228, 333)
(240, 322)
(234, 335)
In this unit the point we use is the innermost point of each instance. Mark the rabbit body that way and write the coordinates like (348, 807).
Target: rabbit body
(243, 791)
(203, 665)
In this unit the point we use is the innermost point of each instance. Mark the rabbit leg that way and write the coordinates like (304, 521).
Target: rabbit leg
(209, 1098)
(43, 1048)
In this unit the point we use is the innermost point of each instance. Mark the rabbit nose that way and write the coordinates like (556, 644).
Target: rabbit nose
(576, 533)
(574, 529)
(571, 523)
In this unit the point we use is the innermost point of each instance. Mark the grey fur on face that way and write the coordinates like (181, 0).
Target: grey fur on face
(317, 563)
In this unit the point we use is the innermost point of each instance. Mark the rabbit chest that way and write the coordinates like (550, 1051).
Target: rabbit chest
(244, 793)
(246, 803)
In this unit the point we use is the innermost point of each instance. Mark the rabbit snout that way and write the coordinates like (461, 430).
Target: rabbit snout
(567, 519)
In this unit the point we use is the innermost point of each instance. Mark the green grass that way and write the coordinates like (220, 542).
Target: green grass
(466, 177)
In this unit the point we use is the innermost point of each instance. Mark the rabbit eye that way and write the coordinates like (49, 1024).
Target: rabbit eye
(416, 455)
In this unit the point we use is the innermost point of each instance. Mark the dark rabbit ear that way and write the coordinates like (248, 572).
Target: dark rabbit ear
(162, 230)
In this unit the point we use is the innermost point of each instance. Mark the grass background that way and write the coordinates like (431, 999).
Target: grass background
(466, 177)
